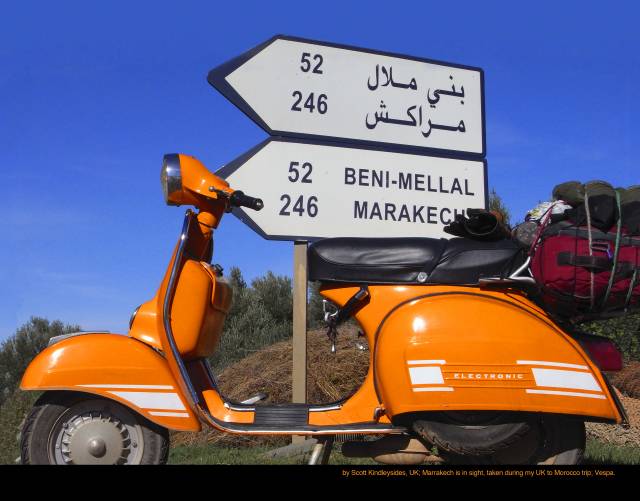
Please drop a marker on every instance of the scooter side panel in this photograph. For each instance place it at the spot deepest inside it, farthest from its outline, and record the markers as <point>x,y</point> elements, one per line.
<point>116,367</point>
<point>471,350</point>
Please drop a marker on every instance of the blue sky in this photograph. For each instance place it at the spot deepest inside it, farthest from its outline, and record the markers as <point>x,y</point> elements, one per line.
<point>92,94</point>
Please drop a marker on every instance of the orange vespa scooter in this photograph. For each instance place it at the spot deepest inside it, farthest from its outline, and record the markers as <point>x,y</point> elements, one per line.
<point>460,356</point>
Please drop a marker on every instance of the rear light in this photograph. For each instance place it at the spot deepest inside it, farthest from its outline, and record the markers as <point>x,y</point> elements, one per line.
<point>603,352</point>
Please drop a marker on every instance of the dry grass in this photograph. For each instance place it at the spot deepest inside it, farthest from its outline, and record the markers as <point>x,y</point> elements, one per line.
<point>330,377</point>
<point>628,379</point>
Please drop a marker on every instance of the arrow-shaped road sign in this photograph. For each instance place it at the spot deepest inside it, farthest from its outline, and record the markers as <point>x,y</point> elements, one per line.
<point>319,190</point>
<point>316,90</point>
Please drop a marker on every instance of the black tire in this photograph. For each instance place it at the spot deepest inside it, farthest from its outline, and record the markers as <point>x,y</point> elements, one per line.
<point>467,433</point>
<point>552,440</point>
<point>52,411</point>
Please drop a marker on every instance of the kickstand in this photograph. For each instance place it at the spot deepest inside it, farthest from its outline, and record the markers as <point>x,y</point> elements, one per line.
<point>321,451</point>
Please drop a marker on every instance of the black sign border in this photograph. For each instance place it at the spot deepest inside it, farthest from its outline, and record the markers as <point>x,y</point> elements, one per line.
<point>245,217</point>
<point>217,76</point>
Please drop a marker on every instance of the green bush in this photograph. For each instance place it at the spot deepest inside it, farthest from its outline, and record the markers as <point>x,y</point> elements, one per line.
<point>496,204</point>
<point>17,351</point>
<point>15,354</point>
<point>260,315</point>
<point>315,312</point>
<point>624,331</point>
<point>12,414</point>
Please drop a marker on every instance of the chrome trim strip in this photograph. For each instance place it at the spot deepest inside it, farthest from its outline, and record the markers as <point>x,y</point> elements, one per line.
<point>255,399</point>
<point>168,298</point>
<point>251,408</point>
<point>323,408</point>
<point>62,337</point>
<point>129,386</point>
<point>232,407</point>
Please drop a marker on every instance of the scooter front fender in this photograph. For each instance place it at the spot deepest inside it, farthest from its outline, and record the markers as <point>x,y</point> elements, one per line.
<point>478,350</point>
<point>116,367</point>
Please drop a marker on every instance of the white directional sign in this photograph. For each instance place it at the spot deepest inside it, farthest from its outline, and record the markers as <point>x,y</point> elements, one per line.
<point>319,190</point>
<point>315,90</point>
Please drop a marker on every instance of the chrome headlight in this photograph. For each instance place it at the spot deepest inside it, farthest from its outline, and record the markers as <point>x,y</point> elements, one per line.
<point>171,179</point>
<point>133,316</point>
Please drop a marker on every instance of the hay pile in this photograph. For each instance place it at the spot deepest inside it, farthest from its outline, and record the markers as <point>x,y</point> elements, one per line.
<point>628,379</point>
<point>330,377</point>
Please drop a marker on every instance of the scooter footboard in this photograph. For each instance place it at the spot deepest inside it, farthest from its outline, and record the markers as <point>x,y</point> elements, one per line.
<point>116,367</point>
<point>484,351</point>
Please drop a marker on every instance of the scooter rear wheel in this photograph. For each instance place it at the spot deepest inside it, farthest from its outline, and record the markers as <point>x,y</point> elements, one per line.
<point>552,439</point>
<point>472,433</point>
<point>79,428</point>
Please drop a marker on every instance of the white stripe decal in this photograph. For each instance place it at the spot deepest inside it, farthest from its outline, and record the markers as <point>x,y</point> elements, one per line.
<point>152,400</point>
<point>169,414</point>
<point>426,375</point>
<point>435,388</point>
<point>567,393</point>
<point>132,386</point>
<point>565,379</point>
<point>426,362</point>
<point>551,364</point>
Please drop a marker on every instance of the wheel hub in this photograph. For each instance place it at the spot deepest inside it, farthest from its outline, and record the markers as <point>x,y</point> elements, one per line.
<point>104,436</point>
<point>97,447</point>
<point>94,439</point>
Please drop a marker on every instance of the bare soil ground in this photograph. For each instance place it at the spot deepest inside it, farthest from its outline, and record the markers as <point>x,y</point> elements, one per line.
<point>619,434</point>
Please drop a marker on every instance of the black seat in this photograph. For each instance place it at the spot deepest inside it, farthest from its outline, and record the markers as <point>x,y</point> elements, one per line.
<point>411,260</point>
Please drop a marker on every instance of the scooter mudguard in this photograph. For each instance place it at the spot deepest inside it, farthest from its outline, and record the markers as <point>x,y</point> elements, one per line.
<point>116,367</point>
<point>469,349</point>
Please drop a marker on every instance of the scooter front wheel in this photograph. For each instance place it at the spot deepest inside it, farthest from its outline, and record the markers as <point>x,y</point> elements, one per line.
<point>79,428</point>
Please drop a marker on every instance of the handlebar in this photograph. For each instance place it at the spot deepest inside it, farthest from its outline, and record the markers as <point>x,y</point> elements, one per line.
<point>239,199</point>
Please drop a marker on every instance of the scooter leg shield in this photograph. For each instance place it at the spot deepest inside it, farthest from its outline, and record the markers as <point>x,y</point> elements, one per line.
<point>116,367</point>
<point>481,351</point>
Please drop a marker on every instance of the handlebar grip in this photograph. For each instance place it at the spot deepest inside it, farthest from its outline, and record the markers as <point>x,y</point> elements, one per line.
<point>239,199</point>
